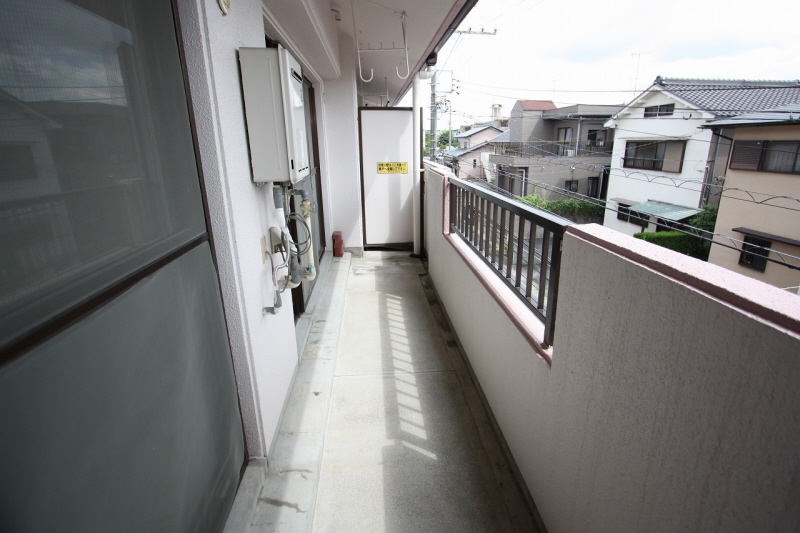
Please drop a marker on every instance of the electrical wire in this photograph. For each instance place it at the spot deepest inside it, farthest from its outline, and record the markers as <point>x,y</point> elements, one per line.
<point>650,178</point>
<point>674,225</point>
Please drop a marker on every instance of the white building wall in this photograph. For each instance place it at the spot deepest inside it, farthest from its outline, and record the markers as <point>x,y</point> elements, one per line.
<point>340,112</point>
<point>643,185</point>
<point>653,416</point>
<point>264,345</point>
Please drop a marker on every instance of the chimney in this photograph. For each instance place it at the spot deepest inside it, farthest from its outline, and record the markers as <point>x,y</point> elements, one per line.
<point>496,111</point>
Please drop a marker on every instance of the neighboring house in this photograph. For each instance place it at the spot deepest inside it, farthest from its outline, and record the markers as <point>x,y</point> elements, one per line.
<point>563,148</point>
<point>466,159</point>
<point>765,163</point>
<point>662,151</point>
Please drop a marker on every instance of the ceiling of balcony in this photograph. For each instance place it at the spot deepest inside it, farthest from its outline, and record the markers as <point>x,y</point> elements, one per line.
<point>377,26</point>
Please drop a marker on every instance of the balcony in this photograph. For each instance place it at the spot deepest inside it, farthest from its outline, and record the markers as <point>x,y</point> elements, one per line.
<point>504,153</point>
<point>426,398</point>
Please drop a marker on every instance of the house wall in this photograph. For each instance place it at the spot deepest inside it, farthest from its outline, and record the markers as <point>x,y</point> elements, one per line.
<point>653,415</point>
<point>528,125</point>
<point>465,163</point>
<point>477,138</point>
<point>636,186</point>
<point>548,173</point>
<point>263,345</point>
<point>737,210</point>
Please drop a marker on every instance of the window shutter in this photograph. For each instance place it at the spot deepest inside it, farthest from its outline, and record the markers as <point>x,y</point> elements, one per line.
<point>746,155</point>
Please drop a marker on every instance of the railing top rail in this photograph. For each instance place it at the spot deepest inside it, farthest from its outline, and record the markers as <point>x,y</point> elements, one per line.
<point>544,219</point>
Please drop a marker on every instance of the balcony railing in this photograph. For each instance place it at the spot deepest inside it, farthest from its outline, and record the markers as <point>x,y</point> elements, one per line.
<point>521,244</point>
<point>557,148</point>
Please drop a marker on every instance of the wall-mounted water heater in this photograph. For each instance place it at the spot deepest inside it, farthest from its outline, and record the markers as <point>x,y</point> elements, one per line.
<point>272,81</point>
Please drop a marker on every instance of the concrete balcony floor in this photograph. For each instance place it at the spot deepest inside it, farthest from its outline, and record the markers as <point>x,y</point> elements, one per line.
<point>384,429</point>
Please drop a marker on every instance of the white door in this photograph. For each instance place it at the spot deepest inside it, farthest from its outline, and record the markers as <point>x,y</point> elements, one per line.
<point>387,177</point>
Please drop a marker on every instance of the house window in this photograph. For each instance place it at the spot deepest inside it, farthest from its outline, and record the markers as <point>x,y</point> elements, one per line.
<point>474,163</point>
<point>594,183</point>
<point>766,156</point>
<point>640,219</point>
<point>663,110</point>
<point>623,213</point>
<point>649,155</point>
<point>571,185</point>
<point>781,156</point>
<point>754,253</point>
<point>596,137</point>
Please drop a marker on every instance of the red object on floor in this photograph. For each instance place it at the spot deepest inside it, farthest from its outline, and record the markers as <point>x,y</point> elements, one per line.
<point>338,244</point>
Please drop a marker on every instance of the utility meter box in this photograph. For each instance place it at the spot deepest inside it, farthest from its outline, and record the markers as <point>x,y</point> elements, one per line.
<point>272,81</point>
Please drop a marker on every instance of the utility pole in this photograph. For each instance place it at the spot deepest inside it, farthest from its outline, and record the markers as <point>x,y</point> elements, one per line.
<point>433,116</point>
<point>450,127</point>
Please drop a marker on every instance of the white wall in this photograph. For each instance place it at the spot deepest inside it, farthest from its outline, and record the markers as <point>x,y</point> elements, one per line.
<point>343,172</point>
<point>634,127</point>
<point>264,345</point>
<point>664,409</point>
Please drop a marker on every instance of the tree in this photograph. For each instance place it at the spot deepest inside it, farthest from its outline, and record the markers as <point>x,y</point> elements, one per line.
<point>444,139</point>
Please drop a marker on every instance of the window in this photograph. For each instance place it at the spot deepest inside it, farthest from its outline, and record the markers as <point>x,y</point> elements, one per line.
<point>663,110</point>
<point>596,137</point>
<point>766,156</point>
<point>593,186</point>
<point>640,219</point>
<point>623,213</point>
<point>474,163</point>
<point>781,156</point>
<point>754,253</point>
<point>571,185</point>
<point>649,155</point>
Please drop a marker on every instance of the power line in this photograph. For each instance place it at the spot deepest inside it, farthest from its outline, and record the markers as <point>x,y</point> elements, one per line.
<point>690,230</point>
<point>674,182</point>
<point>638,91</point>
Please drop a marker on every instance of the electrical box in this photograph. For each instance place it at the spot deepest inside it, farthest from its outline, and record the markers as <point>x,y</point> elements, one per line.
<point>272,82</point>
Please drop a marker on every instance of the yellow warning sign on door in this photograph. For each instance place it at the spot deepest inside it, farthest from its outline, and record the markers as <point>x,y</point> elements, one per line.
<point>392,168</point>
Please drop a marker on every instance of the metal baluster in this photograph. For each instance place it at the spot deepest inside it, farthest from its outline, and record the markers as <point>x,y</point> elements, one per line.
<point>453,204</point>
<point>502,239</point>
<point>495,212</point>
<point>487,228</point>
<point>552,291</point>
<point>531,259</point>
<point>543,270</point>
<point>471,217</point>
<point>479,221</point>
<point>520,242</point>
<point>510,245</point>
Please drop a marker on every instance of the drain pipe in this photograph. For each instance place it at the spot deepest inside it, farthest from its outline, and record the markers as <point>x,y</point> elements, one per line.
<point>416,158</point>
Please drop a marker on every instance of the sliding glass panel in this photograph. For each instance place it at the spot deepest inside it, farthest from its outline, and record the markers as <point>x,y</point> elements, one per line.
<point>128,420</point>
<point>98,172</point>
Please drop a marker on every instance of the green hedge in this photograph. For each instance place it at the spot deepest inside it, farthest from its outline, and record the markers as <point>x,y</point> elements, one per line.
<point>678,241</point>
<point>570,208</point>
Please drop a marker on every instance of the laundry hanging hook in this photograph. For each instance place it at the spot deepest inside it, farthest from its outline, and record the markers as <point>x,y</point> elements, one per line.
<point>358,48</point>
<point>405,46</point>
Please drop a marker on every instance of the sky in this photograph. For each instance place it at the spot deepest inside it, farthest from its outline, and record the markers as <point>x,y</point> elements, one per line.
<point>607,52</point>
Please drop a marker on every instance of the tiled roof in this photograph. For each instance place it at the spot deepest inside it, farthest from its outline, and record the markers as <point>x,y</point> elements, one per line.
<point>536,105</point>
<point>725,98</point>
<point>781,115</point>
<point>457,152</point>
<point>476,129</point>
